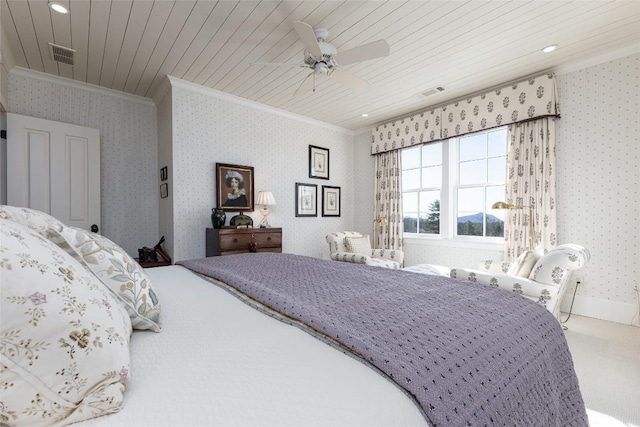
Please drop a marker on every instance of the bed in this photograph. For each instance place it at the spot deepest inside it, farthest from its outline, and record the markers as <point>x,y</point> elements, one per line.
<point>242,340</point>
<point>220,362</point>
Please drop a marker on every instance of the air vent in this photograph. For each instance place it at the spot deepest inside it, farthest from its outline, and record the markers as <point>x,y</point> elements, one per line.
<point>430,92</point>
<point>61,54</point>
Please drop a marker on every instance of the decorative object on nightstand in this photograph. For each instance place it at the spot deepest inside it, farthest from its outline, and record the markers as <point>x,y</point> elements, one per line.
<point>241,220</point>
<point>218,217</point>
<point>265,198</point>
<point>153,257</point>
<point>503,205</point>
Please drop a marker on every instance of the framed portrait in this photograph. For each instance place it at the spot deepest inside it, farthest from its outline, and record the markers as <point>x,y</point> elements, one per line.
<point>234,187</point>
<point>330,201</point>
<point>164,191</point>
<point>164,174</point>
<point>318,162</point>
<point>306,199</point>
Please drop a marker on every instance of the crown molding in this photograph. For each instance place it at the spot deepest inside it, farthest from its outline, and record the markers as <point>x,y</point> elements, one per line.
<point>19,71</point>
<point>194,87</point>
<point>570,67</point>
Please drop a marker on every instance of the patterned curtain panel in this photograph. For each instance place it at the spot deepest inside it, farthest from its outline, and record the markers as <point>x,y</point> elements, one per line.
<point>388,226</point>
<point>531,182</point>
<point>534,98</point>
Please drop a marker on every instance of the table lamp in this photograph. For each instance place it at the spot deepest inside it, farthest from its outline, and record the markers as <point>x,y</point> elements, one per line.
<point>265,198</point>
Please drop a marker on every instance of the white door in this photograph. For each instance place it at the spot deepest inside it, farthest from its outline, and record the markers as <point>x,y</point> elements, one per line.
<point>55,168</point>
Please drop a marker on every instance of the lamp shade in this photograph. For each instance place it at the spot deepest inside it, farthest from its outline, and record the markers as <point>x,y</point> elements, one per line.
<point>265,198</point>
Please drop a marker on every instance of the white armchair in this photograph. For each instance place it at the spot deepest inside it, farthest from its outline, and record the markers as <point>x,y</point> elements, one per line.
<point>351,246</point>
<point>544,282</point>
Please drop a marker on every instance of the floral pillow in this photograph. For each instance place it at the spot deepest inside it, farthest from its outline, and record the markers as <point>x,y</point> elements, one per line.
<point>358,245</point>
<point>64,337</point>
<point>30,218</point>
<point>116,269</point>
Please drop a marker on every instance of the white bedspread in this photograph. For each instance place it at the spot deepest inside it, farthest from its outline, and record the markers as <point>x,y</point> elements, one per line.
<point>218,362</point>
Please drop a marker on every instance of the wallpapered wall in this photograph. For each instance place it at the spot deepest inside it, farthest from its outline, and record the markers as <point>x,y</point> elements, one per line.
<point>597,190</point>
<point>128,148</point>
<point>598,181</point>
<point>598,185</point>
<point>210,128</point>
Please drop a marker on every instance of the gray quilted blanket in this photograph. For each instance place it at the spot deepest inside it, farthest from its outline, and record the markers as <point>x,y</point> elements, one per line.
<point>467,355</point>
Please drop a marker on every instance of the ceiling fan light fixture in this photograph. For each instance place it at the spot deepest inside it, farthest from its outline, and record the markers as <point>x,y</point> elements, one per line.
<point>321,69</point>
<point>550,48</point>
<point>58,7</point>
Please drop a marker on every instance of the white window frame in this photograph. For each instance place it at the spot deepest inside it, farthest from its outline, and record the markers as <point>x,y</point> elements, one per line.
<point>448,207</point>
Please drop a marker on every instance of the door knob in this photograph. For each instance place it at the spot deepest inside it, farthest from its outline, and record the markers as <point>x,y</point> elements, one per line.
<point>94,228</point>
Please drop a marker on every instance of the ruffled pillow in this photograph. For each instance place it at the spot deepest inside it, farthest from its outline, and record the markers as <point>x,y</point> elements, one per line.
<point>64,336</point>
<point>116,269</point>
<point>37,221</point>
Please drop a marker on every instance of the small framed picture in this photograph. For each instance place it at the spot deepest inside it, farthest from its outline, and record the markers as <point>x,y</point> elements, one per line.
<point>330,201</point>
<point>164,191</point>
<point>318,162</point>
<point>306,199</point>
<point>164,174</point>
<point>234,188</point>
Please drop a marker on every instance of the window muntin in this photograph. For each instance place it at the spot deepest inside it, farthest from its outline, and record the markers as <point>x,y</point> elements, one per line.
<point>477,168</point>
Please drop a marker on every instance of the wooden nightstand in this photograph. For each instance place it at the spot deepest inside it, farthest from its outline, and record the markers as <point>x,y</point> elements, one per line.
<point>228,241</point>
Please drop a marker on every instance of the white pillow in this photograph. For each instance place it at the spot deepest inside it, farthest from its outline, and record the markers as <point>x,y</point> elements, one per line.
<point>358,245</point>
<point>65,337</point>
<point>525,262</point>
<point>116,269</point>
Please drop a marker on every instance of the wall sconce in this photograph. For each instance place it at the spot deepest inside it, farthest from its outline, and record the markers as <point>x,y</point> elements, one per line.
<point>265,198</point>
<point>503,205</point>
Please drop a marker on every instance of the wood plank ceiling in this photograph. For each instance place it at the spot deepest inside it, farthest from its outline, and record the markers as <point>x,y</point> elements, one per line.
<point>463,46</point>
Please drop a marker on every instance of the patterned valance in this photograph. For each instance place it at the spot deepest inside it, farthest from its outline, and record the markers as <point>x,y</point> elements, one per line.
<point>526,100</point>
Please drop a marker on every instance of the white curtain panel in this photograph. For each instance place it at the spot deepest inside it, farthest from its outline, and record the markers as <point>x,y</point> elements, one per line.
<point>531,181</point>
<point>388,226</point>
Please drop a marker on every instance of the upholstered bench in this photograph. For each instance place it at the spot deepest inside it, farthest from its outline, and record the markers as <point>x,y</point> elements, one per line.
<point>435,270</point>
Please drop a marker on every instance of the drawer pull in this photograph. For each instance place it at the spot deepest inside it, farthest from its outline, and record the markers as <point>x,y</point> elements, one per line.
<point>235,240</point>
<point>269,238</point>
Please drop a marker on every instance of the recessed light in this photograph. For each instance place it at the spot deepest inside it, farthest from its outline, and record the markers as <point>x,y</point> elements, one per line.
<point>365,115</point>
<point>58,7</point>
<point>550,48</point>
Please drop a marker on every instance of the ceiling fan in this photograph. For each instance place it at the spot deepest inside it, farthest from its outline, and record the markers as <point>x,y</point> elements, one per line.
<point>325,60</point>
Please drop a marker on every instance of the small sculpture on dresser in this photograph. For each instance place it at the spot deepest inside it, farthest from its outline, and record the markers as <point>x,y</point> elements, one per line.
<point>218,217</point>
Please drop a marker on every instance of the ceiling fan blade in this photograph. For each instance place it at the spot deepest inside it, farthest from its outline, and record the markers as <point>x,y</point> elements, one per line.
<point>364,52</point>
<point>308,37</point>
<point>349,80</point>
<point>278,64</point>
<point>307,85</point>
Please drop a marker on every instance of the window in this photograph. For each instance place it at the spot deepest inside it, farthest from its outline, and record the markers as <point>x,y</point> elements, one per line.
<point>449,186</point>
<point>422,188</point>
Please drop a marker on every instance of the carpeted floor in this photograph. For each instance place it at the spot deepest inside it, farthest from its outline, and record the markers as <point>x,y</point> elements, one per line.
<point>606,356</point>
